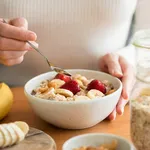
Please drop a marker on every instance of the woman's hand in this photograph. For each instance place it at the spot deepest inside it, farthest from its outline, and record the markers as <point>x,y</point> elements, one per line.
<point>118,66</point>
<point>13,37</point>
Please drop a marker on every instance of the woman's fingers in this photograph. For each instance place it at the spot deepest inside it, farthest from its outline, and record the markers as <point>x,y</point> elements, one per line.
<point>103,66</point>
<point>5,55</point>
<point>112,116</point>
<point>19,22</point>
<point>112,63</point>
<point>13,45</point>
<point>13,37</point>
<point>128,79</point>
<point>12,32</point>
<point>119,109</point>
<point>11,62</point>
<point>119,67</point>
<point>120,106</point>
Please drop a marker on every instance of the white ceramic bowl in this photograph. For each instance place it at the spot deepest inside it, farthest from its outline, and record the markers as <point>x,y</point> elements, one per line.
<point>96,139</point>
<point>74,114</point>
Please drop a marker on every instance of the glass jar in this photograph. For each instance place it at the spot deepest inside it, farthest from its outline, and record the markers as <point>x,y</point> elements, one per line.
<point>140,98</point>
<point>141,41</point>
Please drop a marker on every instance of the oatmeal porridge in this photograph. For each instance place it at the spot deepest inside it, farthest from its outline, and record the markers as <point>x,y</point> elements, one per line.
<point>76,87</point>
<point>140,122</point>
<point>108,146</point>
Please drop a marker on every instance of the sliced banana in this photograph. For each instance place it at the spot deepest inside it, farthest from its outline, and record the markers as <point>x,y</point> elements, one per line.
<point>80,83</point>
<point>23,126</point>
<point>64,92</point>
<point>1,138</point>
<point>94,93</point>
<point>49,91</point>
<point>84,80</point>
<point>12,133</point>
<point>77,98</point>
<point>56,83</point>
<point>20,134</point>
<point>7,137</point>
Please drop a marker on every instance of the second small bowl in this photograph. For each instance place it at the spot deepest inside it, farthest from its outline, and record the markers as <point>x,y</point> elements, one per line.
<point>97,139</point>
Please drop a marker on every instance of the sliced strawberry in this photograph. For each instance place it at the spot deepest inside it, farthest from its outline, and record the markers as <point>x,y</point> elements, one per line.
<point>72,86</point>
<point>98,85</point>
<point>62,77</point>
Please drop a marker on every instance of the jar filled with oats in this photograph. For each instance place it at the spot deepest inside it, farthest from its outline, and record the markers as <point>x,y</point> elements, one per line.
<point>140,98</point>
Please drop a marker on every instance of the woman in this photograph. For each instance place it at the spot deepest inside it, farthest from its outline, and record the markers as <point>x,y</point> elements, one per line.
<point>87,34</point>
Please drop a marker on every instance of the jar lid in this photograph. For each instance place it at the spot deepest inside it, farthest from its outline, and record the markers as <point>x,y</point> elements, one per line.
<point>142,39</point>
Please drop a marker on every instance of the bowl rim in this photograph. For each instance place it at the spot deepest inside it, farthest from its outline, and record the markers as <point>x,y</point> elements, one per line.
<point>97,134</point>
<point>72,102</point>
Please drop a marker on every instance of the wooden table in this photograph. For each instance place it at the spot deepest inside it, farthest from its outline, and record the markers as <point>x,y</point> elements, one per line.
<point>22,111</point>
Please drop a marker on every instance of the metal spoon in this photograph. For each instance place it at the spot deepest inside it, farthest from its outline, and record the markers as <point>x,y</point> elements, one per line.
<point>52,67</point>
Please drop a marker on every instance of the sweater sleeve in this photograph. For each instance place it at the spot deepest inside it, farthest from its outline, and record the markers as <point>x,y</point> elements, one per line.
<point>142,21</point>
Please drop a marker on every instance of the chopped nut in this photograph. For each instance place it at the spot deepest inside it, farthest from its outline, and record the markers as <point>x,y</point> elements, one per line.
<point>56,83</point>
<point>108,85</point>
<point>59,97</point>
<point>43,89</point>
<point>33,92</point>
<point>82,93</point>
<point>77,98</point>
<point>110,92</point>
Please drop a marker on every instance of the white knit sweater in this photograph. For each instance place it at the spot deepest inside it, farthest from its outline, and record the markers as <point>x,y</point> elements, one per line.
<point>72,33</point>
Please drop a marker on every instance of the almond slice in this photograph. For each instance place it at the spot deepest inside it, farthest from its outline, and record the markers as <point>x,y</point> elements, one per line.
<point>6,134</point>
<point>64,92</point>
<point>20,134</point>
<point>23,126</point>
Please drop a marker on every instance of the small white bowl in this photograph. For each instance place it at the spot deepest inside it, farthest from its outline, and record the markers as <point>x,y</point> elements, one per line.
<point>74,114</point>
<point>96,139</point>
